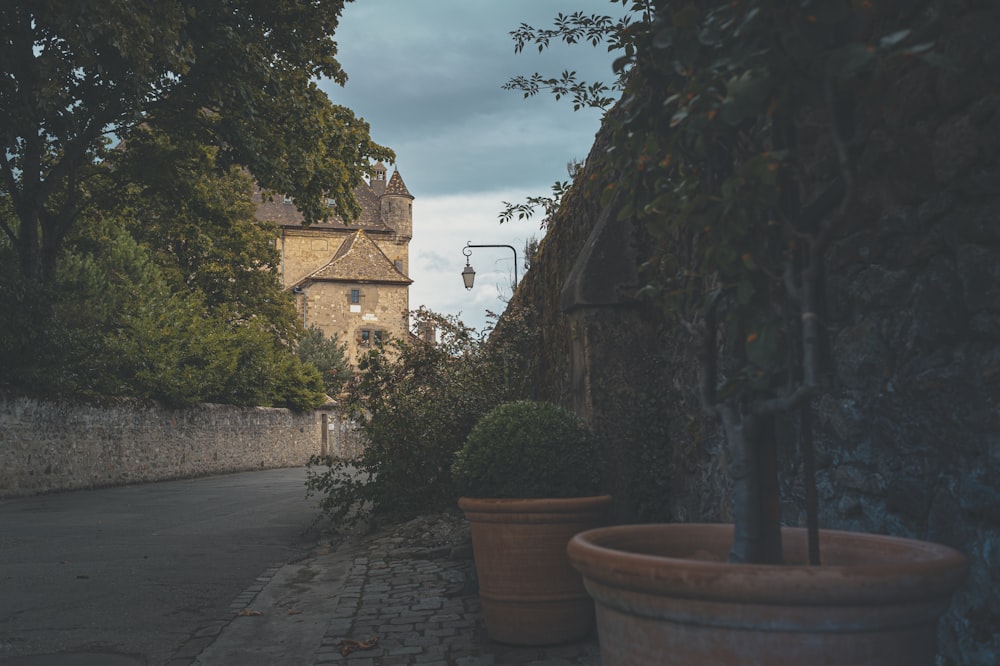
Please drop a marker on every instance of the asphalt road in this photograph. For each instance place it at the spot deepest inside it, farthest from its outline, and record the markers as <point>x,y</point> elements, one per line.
<point>129,573</point>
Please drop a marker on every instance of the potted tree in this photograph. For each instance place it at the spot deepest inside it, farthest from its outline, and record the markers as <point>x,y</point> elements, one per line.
<point>529,475</point>
<point>743,133</point>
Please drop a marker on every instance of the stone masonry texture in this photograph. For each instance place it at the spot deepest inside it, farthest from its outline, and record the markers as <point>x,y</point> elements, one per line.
<point>55,445</point>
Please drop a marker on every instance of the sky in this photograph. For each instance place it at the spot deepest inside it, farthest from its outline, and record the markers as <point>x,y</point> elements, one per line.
<point>427,76</point>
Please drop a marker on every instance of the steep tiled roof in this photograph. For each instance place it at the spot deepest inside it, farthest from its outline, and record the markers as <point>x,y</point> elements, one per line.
<point>397,186</point>
<point>286,215</point>
<point>359,259</point>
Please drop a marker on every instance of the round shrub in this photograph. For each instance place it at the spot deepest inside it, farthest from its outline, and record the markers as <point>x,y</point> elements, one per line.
<point>528,449</point>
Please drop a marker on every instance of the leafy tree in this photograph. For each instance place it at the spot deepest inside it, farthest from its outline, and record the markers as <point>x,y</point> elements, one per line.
<point>328,355</point>
<point>112,324</point>
<point>196,219</point>
<point>238,75</point>
<point>738,145</point>
<point>739,133</point>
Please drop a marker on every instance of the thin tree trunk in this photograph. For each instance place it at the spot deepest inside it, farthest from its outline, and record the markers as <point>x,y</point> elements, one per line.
<point>756,500</point>
<point>809,471</point>
<point>743,470</point>
<point>769,502</point>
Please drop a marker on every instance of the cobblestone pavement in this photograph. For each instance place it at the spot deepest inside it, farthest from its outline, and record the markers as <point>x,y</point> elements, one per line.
<point>411,598</point>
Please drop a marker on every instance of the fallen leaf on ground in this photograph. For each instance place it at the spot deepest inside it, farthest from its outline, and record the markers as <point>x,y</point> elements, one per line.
<point>349,645</point>
<point>294,612</point>
<point>246,612</point>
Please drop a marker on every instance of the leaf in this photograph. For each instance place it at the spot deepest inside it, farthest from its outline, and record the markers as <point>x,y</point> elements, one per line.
<point>892,39</point>
<point>349,645</point>
<point>246,612</point>
<point>918,49</point>
<point>745,94</point>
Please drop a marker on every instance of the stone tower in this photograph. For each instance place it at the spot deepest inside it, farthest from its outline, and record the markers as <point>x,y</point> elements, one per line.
<point>397,214</point>
<point>350,279</point>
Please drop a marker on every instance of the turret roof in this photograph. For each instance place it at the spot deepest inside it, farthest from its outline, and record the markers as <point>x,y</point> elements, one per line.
<point>397,186</point>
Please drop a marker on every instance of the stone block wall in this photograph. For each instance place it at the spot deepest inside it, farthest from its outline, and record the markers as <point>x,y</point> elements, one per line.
<point>382,311</point>
<point>305,250</point>
<point>47,446</point>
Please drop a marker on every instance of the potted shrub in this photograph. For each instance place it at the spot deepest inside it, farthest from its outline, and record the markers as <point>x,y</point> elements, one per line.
<point>743,132</point>
<point>529,475</point>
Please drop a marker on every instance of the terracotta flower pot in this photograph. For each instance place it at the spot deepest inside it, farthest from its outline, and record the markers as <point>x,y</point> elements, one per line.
<point>529,592</point>
<point>666,595</point>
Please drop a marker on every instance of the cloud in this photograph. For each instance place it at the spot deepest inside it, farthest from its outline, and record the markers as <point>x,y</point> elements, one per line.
<point>427,77</point>
<point>442,227</point>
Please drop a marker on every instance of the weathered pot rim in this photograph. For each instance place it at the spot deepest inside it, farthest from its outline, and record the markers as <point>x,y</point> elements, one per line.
<point>864,568</point>
<point>533,505</point>
<point>594,509</point>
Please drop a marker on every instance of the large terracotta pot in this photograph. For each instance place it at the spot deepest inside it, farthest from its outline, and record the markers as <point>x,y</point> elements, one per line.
<point>529,592</point>
<point>666,595</point>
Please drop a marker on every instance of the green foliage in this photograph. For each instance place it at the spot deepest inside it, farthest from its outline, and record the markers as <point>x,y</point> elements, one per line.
<point>295,384</point>
<point>738,201</point>
<point>737,146</point>
<point>142,271</point>
<point>329,356</point>
<point>239,76</point>
<point>111,324</point>
<point>528,449</point>
<point>31,348</point>
<point>741,124</point>
<point>549,205</point>
<point>196,219</point>
<point>592,29</point>
<point>416,402</point>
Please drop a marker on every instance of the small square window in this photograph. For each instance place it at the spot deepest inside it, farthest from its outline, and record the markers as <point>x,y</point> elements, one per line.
<point>378,337</point>
<point>331,203</point>
<point>366,337</point>
<point>355,295</point>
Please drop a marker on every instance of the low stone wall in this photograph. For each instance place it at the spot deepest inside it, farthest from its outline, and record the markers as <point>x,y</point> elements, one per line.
<point>47,446</point>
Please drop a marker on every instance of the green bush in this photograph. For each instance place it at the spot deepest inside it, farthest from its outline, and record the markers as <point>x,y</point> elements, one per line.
<point>416,401</point>
<point>528,449</point>
<point>328,355</point>
<point>111,324</point>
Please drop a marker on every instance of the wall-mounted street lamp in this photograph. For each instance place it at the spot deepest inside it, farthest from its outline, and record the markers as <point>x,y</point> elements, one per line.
<point>469,273</point>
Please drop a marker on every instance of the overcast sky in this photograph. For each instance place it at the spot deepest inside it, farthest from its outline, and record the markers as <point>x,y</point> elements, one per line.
<point>427,76</point>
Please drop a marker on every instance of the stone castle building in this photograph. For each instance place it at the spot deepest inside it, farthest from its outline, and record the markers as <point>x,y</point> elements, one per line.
<point>352,279</point>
